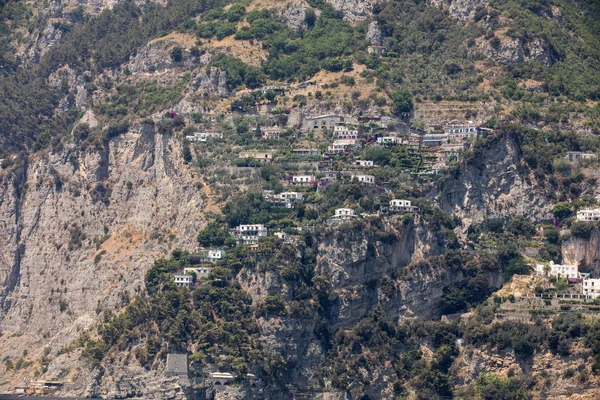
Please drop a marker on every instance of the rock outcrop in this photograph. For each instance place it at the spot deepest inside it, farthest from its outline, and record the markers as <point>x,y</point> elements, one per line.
<point>210,81</point>
<point>354,10</point>
<point>463,10</point>
<point>156,56</point>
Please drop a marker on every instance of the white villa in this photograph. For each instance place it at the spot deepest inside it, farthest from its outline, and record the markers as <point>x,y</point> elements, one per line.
<point>559,270</point>
<point>368,180</point>
<point>465,130</point>
<point>284,199</point>
<point>341,215</point>
<point>588,215</point>
<point>403,206</point>
<point>183,280</point>
<point>340,131</point>
<point>303,180</point>
<point>249,234</point>
<point>295,196</point>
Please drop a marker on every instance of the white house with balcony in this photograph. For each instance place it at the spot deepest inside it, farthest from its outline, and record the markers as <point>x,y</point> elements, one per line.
<point>215,255</point>
<point>183,280</point>
<point>588,215</point>
<point>303,180</point>
<point>558,270</point>
<point>341,131</point>
<point>403,206</point>
<point>342,215</point>
<point>249,234</point>
<point>461,130</point>
<point>367,180</point>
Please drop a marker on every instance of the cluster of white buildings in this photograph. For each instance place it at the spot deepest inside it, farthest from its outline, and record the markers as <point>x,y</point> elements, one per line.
<point>589,286</point>
<point>186,279</point>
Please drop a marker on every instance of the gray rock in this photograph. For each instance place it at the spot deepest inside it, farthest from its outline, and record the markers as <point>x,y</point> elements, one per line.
<point>294,14</point>
<point>463,10</point>
<point>374,34</point>
<point>211,81</point>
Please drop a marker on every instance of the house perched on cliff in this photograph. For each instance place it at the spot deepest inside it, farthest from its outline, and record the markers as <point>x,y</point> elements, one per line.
<point>303,180</point>
<point>342,215</point>
<point>558,270</point>
<point>183,280</point>
<point>588,215</point>
<point>403,206</point>
<point>461,130</point>
<point>249,234</point>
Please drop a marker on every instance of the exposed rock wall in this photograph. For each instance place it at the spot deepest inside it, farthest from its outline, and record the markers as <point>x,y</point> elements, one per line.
<point>492,185</point>
<point>81,229</point>
<point>583,251</point>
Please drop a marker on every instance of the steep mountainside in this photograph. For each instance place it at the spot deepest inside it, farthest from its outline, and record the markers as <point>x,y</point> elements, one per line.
<point>279,191</point>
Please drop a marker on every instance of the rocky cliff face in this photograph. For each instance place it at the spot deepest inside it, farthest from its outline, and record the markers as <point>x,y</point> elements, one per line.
<point>353,261</point>
<point>584,252</point>
<point>494,184</point>
<point>463,10</point>
<point>81,228</point>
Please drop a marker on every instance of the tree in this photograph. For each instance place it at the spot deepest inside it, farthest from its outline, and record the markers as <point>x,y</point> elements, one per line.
<point>562,210</point>
<point>402,102</point>
<point>213,235</point>
<point>177,54</point>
